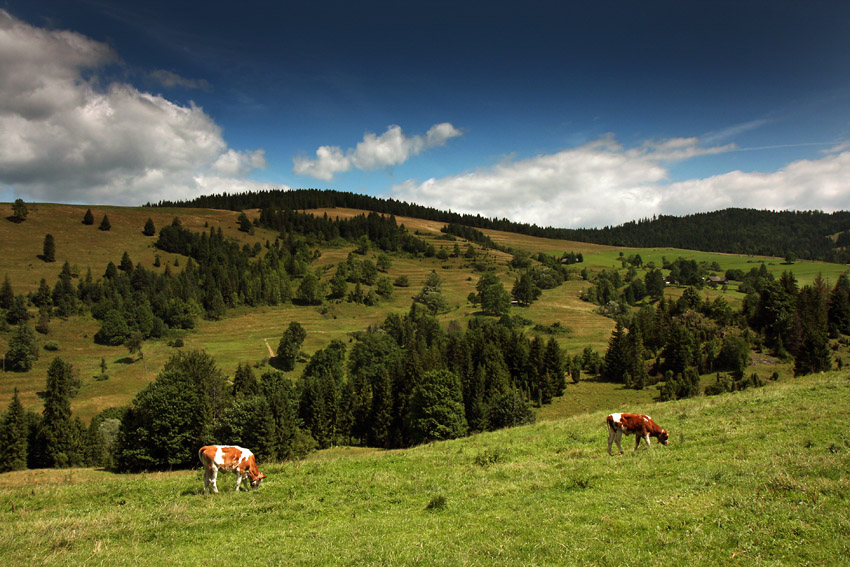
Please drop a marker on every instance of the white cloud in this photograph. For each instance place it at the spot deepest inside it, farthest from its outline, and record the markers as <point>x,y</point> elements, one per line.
<point>602,183</point>
<point>67,139</point>
<point>391,148</point>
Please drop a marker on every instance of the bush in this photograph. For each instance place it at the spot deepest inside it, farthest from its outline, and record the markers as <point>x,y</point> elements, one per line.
<point>51,346</point>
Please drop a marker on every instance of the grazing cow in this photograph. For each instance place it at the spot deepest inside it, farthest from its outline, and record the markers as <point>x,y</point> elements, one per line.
<point>641,426</point>
<point>229,459</point>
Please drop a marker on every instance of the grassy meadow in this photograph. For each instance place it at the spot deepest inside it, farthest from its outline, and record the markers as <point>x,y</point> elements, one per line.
<point>758,477</point>
<point>245,335</point>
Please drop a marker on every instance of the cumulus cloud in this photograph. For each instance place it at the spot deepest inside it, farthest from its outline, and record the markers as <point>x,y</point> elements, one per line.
<point>68,138</point>
<point>391,148</point>
<point>602,183</point>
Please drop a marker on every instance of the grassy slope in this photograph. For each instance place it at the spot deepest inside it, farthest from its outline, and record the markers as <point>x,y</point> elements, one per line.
<point>242,335</point>
<point>753,478</point>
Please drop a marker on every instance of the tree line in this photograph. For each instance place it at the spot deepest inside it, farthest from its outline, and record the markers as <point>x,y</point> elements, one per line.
<point>813,235</point>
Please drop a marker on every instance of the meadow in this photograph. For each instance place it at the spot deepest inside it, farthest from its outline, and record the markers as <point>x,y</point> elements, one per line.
<point>758,477</point>
<point>246,335</point>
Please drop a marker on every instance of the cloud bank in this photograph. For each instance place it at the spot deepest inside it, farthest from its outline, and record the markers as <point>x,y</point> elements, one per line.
<point>68,138</point>
<point>374,152</point>
<point>602,183</point>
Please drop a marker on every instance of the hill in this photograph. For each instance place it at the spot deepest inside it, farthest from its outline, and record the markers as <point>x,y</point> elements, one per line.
<point>247,334</point>
<point>752,478</point>
<point>812,235</point>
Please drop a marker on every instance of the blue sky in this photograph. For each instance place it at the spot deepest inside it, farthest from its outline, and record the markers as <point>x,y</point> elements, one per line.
<point>557,113</point>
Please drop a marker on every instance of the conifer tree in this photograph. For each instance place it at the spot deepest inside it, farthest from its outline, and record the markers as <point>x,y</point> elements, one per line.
<point>436,408</point>
<point>59,436</point>
<point>88,218</point>
<point>49,249</point>
<point>105,224</point>
<point>13,436</point>
<point>19,211</point>
<point>244,382</point>
<point>290,345</point>
<point>7,295</point>
<point>150,229</point>
<point>23,350</point>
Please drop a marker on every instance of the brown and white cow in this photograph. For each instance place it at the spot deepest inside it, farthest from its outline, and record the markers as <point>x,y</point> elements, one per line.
<point>639,425</point>
<point>229,458</point>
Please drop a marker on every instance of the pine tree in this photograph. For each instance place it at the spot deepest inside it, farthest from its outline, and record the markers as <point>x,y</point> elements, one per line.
<point>49,249</point>
<point>13,436</point>
<point>150,229</point>
<point>88,218</point>
<point>7,295</point>
<point>23,350</point>
<point>616,364</point>
<point>105,224</point>
<point>19,211</point>
<point>436,408</point>
<point>290,345</point>
<point>59,436</point>
<point>244,382</point>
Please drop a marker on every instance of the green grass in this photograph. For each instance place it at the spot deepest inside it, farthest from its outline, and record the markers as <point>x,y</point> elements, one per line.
<point>241,336</point>
<point>754,478</point>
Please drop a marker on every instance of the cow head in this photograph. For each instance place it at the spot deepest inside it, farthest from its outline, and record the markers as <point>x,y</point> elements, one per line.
<point>662,437</point>
<point>255,482</point>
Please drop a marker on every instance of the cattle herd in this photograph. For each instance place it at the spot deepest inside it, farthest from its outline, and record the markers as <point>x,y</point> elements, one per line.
<point>241,461</point>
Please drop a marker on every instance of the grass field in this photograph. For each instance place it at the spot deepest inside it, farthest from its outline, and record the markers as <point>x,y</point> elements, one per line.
<point>753,478</point>
<point>245,335</point>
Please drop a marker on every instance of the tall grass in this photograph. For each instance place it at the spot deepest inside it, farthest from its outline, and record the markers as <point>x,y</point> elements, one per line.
<point>756,478</point>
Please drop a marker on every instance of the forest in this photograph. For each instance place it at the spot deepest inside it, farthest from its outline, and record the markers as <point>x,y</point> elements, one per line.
<point>811,235</point>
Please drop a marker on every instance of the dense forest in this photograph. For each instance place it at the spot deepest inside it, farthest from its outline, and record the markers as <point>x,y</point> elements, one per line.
<point>812,235</point>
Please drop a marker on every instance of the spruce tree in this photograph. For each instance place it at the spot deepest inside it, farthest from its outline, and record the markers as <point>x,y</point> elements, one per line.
<point>23,350</point>
<point>88,218</point>
<point>13,436</point>
<point>59,435</point>
<point>19,211</point>
<point>105,224</point>
<point>244,382</point>
<point>49,249</point>
<point>7,295</point>
<point>150,229</point>
<point>290,345</point>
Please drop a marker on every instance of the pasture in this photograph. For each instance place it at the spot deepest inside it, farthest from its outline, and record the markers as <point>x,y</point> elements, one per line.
<point>753,478</point>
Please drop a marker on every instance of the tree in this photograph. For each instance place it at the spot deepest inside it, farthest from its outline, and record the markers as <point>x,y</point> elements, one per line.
<point>384,287</point>
<point>88,218</point>
<point>384,262</point>
<point>105,224</point>
<point>19,211</point>
<point>126,264</point>
<point>244,382</point>
<point>174,415</point>
<point>13,436</point>
<point>436,408</point>
<point>60,437</point>
<point>134,342</point>
<point>23,350</point>
<point>310,290</point>
<point>48,249</point>
<point>7,295</point>
<point>431,294</point>
<point>244,222</point>
<point>150,229</point>
<point>114,330</point>
<point>495,299</point>
<point>290,345</point>
<point>525,291</point>
<point>18,312</point>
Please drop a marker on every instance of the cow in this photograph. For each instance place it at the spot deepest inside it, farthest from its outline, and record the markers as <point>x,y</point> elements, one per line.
<point>639,425</point>
<point>229,458</point>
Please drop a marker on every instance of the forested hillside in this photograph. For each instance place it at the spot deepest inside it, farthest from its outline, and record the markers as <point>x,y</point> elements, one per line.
<point>813,235</point>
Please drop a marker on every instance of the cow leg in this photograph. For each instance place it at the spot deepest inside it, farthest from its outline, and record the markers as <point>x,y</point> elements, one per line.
<point>610,440</point>
<point>213,478</point>
<point>617,437</point>
<point>239,477</point>
<point>206,481</point>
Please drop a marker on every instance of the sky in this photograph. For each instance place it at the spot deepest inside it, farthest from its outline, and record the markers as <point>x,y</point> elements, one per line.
<point>565,114</point>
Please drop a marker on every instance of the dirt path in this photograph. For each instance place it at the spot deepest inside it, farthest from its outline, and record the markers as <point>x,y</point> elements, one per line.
<point>268,346</point>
